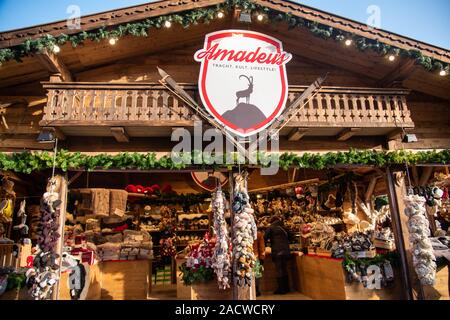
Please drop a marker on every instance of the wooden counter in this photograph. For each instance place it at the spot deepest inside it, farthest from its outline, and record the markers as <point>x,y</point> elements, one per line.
<point>269,279</point>
<point>95,289</point>
<point>115,280</point>
<point>324,279</point>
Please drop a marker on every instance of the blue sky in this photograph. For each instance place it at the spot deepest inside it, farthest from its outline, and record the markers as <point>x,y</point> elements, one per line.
<point>425,20</point>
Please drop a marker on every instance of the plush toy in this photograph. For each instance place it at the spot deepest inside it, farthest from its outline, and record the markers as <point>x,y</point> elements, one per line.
<point>148,190</point>
<point>131,188</point>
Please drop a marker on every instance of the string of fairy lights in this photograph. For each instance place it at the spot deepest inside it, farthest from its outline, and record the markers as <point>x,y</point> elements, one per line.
<point>204,15</point>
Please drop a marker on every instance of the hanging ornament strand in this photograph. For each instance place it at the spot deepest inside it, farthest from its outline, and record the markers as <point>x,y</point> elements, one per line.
<point>419,233</point>
<point>221,257</point>
<point>244,232</point>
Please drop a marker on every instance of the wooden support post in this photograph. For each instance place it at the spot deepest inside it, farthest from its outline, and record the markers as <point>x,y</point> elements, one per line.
<point>120,134</point>
<point>296,134</point>
<point>397,191</point>
<point>370,188</point>
<point>347,134</point>
<point>62,218</point>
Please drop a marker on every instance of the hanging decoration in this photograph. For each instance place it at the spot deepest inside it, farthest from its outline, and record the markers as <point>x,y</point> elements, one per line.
<point>27,162</point>
<point>43,276</point>
<point>244,232</point>
<point>206,14</point>
<point>221,257</point>
<point>419,233</point>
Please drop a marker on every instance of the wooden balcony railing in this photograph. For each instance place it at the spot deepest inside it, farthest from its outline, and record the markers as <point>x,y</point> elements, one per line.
<point>147,104</point>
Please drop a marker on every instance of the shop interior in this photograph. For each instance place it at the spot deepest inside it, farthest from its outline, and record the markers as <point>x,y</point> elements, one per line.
<point>123,229</point>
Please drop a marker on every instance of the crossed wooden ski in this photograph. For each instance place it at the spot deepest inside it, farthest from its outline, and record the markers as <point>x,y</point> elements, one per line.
<point>290,111</point>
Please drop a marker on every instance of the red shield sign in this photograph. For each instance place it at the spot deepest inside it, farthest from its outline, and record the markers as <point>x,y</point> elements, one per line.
<point>243,82</point>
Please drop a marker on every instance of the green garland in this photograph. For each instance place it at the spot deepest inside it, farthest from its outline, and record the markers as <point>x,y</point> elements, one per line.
<point>27,162</point>
<point>205,15</point>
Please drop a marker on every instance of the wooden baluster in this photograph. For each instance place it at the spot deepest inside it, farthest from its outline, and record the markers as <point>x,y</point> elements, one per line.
<point>133,107</point>
<point>320,109</point>
<point>49,106</point>
<point>397,114</point>
<point>337,109</point>
<point>380,109</point>
<point>102,109</point>
<point>110,105</point>
<point>364,109</point>
<point>154,106</point>
<point>69,105</point>
<point>355,110</point>
<point>389,111</point>
<point>329,111</point>
<point>144,108</point>
<point>405,110</point>
<point>372,113</point>
<point>165,106</point>
<point>347,112</point>
<point>122,115</point>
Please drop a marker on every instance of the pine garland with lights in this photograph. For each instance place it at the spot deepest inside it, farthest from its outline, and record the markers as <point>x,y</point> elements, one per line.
<point>205,15</point>
<point>28,162</point>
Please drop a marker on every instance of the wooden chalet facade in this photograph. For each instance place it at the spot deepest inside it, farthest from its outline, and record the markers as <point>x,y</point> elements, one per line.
<point>88,91</point>
<point>103,98</point>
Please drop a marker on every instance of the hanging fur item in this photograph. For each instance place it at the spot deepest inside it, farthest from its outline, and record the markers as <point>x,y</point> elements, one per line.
<point>419,233</point>
<point>221,257</point>
<point>244,232</point>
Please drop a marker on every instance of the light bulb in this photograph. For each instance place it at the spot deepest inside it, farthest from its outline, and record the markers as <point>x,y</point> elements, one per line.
<point>112,41</point>
<point>167,24</point>
<point>56,49</point>
<point>391,57</point>
<point>348,42</point>
<point>220,15</point>
<point>260,17</point>
<point>442,73</point>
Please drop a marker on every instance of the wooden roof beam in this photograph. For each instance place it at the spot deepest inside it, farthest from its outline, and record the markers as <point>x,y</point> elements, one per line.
<point>55,66</point>
<point>347,134</point>
<point>399,74</point>
<point>120,134</point>
<point>296,134</point>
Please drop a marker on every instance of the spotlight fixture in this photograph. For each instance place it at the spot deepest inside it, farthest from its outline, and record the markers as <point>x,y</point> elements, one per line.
<point>245,17</point>
<point>56,49</point>
<point>409,138</point>
<point>391,57</point>
<point>220,15</point>
<point>442,73</point>
<point>112,41</point>
<point>260,17</point>
<point>46,136</point>
<point>348,42</point>
<point>167,24</point>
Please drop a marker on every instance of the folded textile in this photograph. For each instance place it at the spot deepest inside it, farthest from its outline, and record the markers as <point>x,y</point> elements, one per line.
<point>117,200</point>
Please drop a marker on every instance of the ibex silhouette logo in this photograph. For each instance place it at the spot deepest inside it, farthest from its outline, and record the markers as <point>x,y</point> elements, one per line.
<point>247,92</point>
<point>231,57</point>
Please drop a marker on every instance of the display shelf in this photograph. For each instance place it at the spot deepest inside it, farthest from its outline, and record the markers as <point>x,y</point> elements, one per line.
<point>142,195</point>
<point>198,230</point>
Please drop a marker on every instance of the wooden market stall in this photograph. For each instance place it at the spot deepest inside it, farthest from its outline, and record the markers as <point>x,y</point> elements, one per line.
<point>104,106</point>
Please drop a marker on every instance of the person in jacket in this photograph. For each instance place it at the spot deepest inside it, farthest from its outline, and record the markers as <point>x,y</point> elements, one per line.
<point>259,249</point>
<point>279,242</point>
